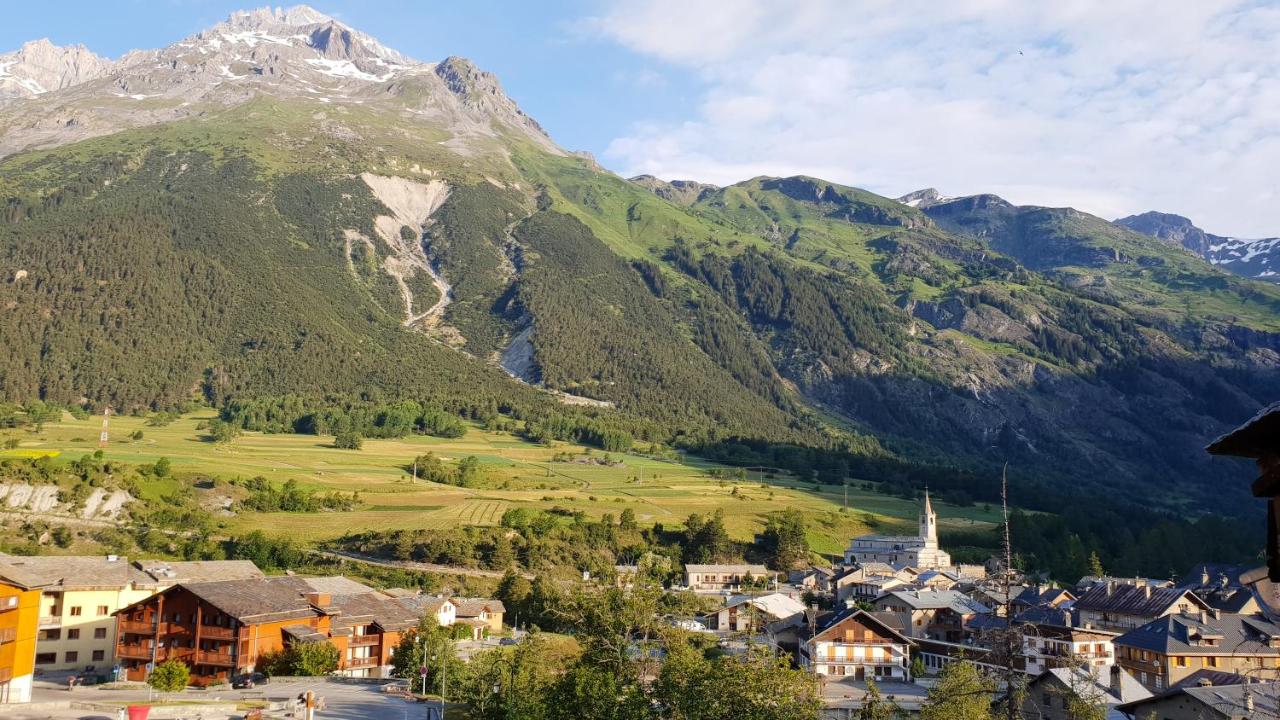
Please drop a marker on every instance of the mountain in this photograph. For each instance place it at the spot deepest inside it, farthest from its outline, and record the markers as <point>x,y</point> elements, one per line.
<point>281,216</point>
<point>1258,258</point>
<point>40,66</point>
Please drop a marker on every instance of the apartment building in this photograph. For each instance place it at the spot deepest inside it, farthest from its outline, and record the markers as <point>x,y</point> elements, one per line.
<point>221,629</point>
<point>1166,651</point>
<point>80,594</point>
<point>19,620</point>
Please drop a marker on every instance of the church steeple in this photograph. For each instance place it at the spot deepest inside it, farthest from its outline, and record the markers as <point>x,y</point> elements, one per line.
<point>928,523</point>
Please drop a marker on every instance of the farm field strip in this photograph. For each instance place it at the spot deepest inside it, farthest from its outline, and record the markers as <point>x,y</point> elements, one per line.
<point>518,474</point>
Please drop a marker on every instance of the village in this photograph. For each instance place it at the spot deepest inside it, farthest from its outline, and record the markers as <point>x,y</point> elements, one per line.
<point>879,627</point>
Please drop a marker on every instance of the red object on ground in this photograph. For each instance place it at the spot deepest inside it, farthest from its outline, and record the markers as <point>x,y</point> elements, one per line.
<point>139,712</point>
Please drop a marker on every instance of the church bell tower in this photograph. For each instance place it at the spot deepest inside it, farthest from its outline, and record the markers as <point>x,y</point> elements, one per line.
<point>929,524</point>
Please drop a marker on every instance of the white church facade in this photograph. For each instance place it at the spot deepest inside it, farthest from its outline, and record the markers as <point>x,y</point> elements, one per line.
<point>919,551</point>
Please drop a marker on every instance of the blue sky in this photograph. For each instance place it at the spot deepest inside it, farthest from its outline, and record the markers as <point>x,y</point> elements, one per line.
<point>1110,107</point>
<point>585,90</point>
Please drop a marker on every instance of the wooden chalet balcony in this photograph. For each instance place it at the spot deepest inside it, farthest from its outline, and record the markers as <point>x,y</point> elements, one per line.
<point>206,657</point>
<point>215,632</point>
<point>137,627</point>
<point>8,635</point>
<point>364,640</point>
<point>368,662</point>
<point>133,652</point>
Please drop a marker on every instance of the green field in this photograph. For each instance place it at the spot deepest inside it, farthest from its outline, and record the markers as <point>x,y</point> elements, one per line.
<point>518,474</point>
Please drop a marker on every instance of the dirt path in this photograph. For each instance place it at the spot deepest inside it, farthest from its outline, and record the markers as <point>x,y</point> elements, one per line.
<point>408,565</point>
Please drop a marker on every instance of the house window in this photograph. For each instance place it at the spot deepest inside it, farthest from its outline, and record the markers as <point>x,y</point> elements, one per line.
<point>76,610</point>
<point>1211,662</point>
<point>99,633</point>
<point>73,634</point>
<point>50,634</point>
<point>46,658</point>
<point>99,655</point>
<point>71,656</point>
<point>103,611</point>
<point>1180,661</point>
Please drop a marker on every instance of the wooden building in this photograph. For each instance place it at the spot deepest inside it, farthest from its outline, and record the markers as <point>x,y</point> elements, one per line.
<point>857,644</point>
<point>221,629</point>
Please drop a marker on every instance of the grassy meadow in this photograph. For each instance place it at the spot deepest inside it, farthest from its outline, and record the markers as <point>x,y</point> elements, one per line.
<point>518,473</point>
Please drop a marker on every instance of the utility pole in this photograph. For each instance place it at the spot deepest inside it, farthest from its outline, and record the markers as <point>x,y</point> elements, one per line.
<point>105,436</point>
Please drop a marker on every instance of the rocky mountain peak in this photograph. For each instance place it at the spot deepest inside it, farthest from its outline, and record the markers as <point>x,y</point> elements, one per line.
<point>1173,229</point>
<point>40,66</point>
<point>923,198</point>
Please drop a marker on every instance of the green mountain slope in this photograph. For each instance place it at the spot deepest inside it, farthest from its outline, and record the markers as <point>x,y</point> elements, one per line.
<point>408,233</point>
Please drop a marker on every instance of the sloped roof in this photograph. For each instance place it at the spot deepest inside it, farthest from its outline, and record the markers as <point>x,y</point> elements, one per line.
<point>731,569</point>
<point>1139,601</point>
<point>372,608</point>
<point>775,605</point>
<point>1257,437</point>
<point>471,607</point>
<point>422,604</point>
<point>336,585</point>
<point>1233,634</point>
<point>1229,700</point>
<point>70,572</point>
<point>1098,681</point>
<point>165,571</point>
<point>20,577</point>
<point>936,600</point>
<point>876,621</point>
<point>258,599</point>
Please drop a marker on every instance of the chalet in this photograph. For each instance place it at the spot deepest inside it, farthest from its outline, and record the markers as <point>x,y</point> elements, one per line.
<point>1165,651</point>
<point>1054,694</point>
<point>753,613</point>
<point>1046,647</point>
<point>483,616</point>
<point>858,644</point>
<point>938,654</point>
<point>718,578</point>
<point>438,607</point>
<point>934,614</point>
<point>1122,607</point>
<point>866,588</point>
<point>221,629</point>
<point>1210,702</point>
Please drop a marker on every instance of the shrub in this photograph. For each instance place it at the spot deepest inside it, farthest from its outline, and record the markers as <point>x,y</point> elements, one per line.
<point>170,676</point>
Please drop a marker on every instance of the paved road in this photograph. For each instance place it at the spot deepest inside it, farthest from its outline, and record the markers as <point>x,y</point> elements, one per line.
<point>343,701</point>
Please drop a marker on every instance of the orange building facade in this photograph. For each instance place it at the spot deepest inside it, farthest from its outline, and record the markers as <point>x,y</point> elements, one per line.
<point>221,630</point>
<point>19,625</point>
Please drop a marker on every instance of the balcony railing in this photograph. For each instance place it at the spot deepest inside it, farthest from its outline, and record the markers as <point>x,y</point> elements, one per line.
<point>362,662</point>
<point>50,621</point>
<point>205,657</point>
<point>8,635</point>
<point>363,640</point>
<point>215,632</point>
<point>8,602</point>
<point>135,652</point>
<point>137,627</point>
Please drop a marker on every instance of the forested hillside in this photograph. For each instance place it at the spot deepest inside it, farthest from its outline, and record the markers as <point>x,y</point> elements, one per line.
<point>272,254</point>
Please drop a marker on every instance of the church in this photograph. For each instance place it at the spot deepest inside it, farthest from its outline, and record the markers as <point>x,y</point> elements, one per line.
<point>920,551</point>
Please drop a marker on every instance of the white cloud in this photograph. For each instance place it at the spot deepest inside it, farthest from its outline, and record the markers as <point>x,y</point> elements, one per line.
<point>1114,107</point>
